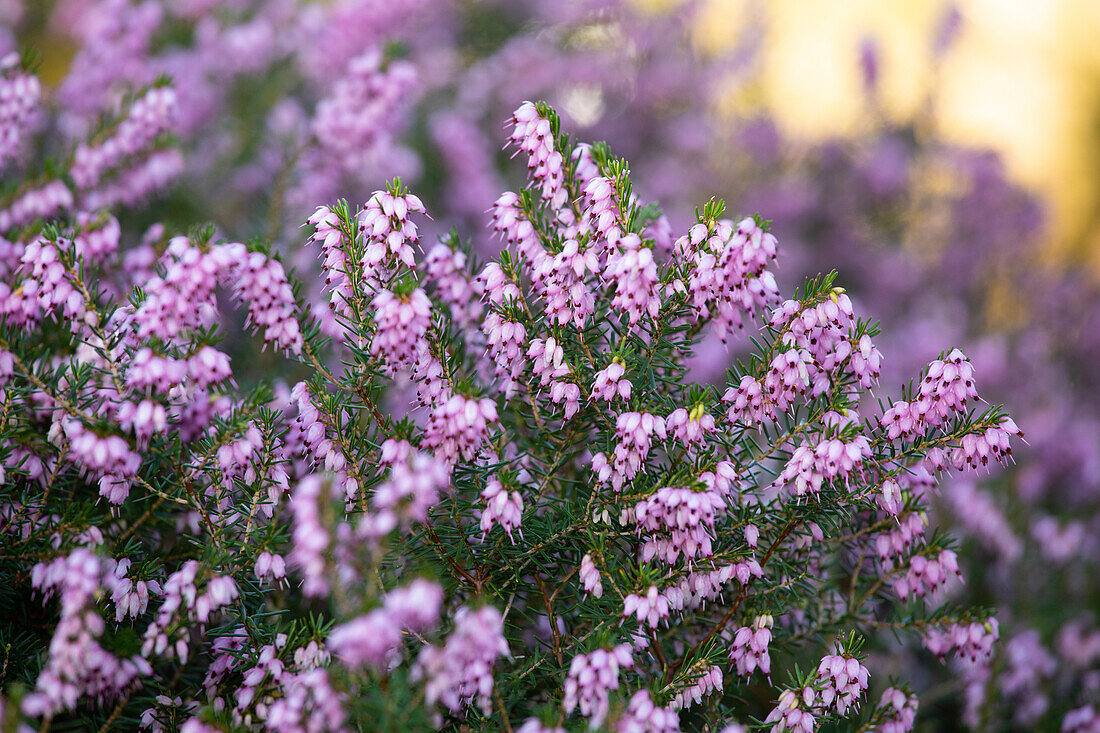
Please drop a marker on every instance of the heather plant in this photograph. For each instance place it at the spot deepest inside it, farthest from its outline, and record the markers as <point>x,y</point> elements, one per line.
<point>493,499</point>
<point>266,109</point>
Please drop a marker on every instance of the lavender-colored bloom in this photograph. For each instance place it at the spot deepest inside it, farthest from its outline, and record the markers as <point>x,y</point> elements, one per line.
<point>460,672</point>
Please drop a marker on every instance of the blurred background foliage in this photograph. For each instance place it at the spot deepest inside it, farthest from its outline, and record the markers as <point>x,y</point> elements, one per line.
<point>1022,78</point>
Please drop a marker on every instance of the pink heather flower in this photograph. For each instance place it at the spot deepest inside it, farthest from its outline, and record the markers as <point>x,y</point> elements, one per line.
<point>972,641</point>
<point>131,597</point>
<point>226,658</point>
<point>145,419</point>
<point>650,608</point>
<point>19,96</point>
<point>643,716</point>
<point>496,287</point>
<point>825,331</point>
<point>43,202</point>
<point>235,459</point>
<point>502,507</point>
<point>262,284</point>
<point>414,485</point>
<point>309,703</point>
<point>890,500</point>
<point>690,428</point>
<point>97,237</point>
<point>865,362</point>
<point>575,260</point>
<point>708,679</point>
<point>680,521</point>
<point>47,283</point>
<point>947,386</point>
<point>747,403</point>
<point>901,419</point>
<point>549,366</point>
<point>76,666</point>
<point>459,427</point>
<point>909,531</point>
<point>385,221</point>
<point>844,681</point>
<point>507,341</point>
<point>446,270</point>
<point>509,223</point>
<point>352,123</point>
<point>319,448</point>
<point>750,647</point>
<point>1084,719</point>
<point>221,590</point>
<point>402,325</point>
<point>415,606</point>
<point>600,207</point>
<point>699,587</point>
<point>184,602</point>
<point>975,450</point>
<point>270,567</point>
<point>147,118</point>
<point>268,663</point>
<point>374,639</point>
<point>183,298</point>
<point>460,672</point>
<point>898,710</point>
<point>730,280</point>
<point>925,576</point>
<point>433,386</point>
<point>328,234</point>
<point>567,297</point>
<point>635,431</point>
<point>810,467</point>
<point>788,376</point>
<point>794,712</point>
<point>206,367</point>
<point>108,459</point>
<point>609,383</point>
<point>506,338</point>
<point>531,135</point>
<point>590,576</point>
<point>752,535</point>
<point>591,677</point>
<point>634,274</point>
<point>547,360</point>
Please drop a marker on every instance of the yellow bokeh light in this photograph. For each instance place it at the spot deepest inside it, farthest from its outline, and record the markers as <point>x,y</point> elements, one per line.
<point>1023,78</point>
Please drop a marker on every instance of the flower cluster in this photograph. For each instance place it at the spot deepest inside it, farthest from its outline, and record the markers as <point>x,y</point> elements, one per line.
<point>19,96</point>
<point>972,640</point>
<point>591,677</point>
<point>749,651</point>
<point>844,680</point>
<point>460,672</point>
